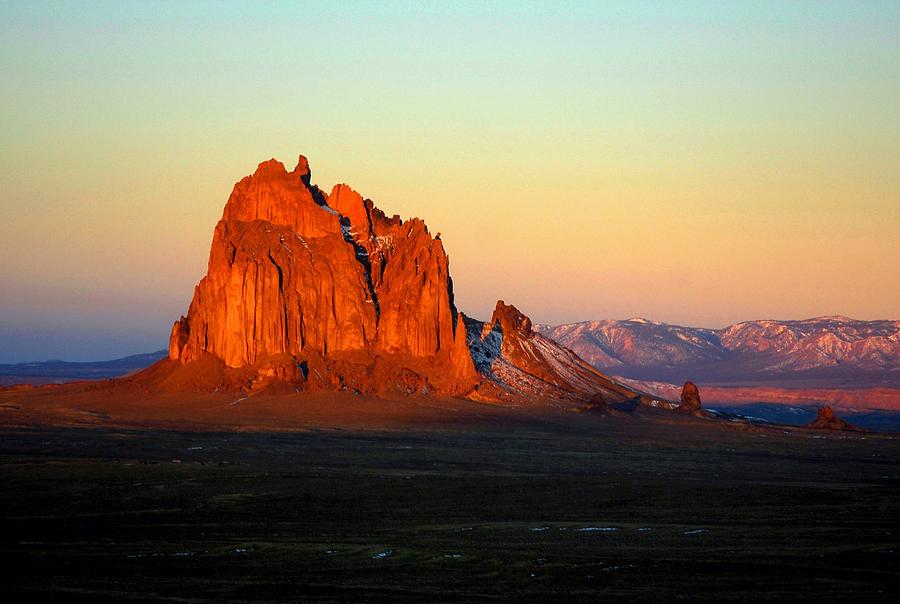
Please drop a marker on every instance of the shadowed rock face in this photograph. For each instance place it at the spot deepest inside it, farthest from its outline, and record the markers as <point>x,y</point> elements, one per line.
<point>827,420</point>
<point>294,272</point>
<point>690,398</point>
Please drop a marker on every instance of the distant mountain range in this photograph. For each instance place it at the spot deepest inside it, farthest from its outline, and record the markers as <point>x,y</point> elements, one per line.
<point>55,372</point>
<point>820,352</point>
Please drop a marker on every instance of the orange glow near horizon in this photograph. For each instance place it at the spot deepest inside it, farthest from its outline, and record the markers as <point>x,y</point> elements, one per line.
<point>699,168</point>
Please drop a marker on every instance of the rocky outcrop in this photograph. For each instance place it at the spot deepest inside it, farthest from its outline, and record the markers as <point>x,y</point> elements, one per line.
<point>517,363</point>
<point>517,341</point>
<point>308,279</point>
<point>690,398</point>
<point>827,420</point>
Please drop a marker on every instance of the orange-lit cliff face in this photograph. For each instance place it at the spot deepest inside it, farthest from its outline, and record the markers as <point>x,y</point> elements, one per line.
<point>293,271</point>
<point>325,291</point>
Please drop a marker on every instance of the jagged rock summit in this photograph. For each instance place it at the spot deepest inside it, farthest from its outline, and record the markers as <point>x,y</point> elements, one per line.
<point>311,288</point>
<point>318,291</point>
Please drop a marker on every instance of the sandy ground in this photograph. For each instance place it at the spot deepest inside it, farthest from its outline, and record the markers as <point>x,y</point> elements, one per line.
<point>106,404</point>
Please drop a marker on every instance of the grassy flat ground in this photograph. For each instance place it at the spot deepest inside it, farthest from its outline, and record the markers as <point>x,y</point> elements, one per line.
<point>560,507</point>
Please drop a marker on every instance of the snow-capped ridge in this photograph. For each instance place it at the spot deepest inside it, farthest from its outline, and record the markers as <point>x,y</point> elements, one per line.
<point>766,345</point>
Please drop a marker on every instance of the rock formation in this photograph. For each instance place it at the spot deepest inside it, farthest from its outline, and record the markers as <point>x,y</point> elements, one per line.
<point>517,362</point>
<point>827,420</point>
<point>325,291</point>
<point>517,340</point>
<point>690,398</point>
<point>323,280</point>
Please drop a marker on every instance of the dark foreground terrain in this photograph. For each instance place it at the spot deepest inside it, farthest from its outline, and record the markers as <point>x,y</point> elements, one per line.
<point>565,508</point>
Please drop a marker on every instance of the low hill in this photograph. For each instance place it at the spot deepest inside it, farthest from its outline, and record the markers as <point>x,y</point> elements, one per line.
<point>57,372</point>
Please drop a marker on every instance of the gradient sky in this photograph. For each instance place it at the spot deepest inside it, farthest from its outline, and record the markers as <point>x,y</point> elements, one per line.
<point>697,162</point>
